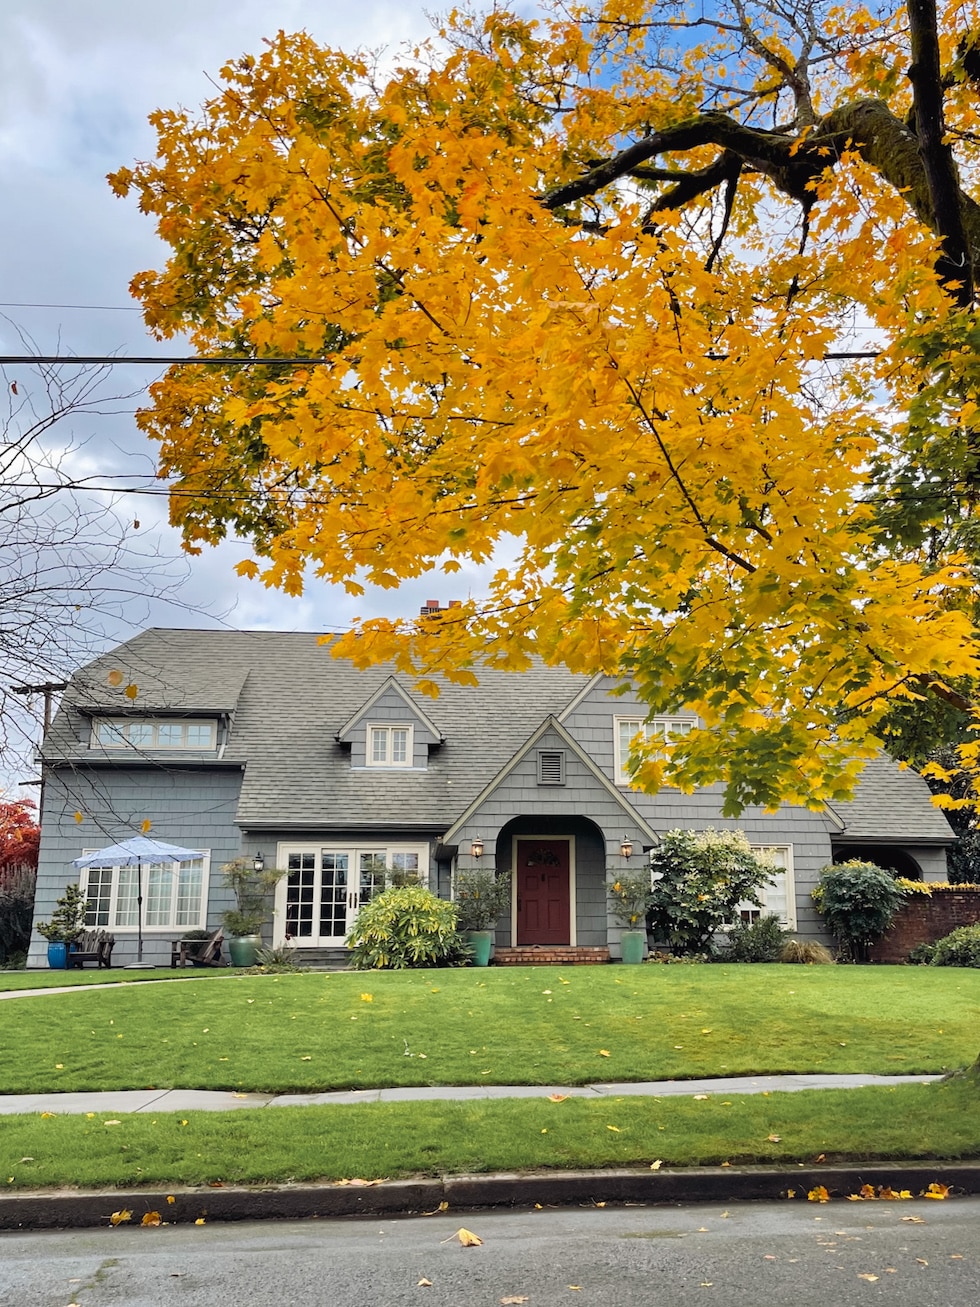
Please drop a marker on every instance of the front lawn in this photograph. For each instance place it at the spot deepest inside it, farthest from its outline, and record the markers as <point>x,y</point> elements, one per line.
<point>11,980</point>
<point>547,1026</point>
<point>372,1141</point>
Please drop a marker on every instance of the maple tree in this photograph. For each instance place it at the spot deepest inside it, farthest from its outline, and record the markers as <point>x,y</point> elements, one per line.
<point>19,834</point>
<point>587,288</point>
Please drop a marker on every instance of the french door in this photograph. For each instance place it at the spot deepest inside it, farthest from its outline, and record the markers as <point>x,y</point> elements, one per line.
<point>319,897</point>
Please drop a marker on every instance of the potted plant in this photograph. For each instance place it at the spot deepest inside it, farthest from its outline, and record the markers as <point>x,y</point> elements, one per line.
<point>481,896</point>
<point>66,924</point>
<point>629,897</point>
<point>252,883</point>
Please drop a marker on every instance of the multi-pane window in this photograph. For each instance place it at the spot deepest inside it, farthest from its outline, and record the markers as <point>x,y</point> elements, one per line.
<point>389,746</point>
<point>324,888</point>
<point>779,895</point>
<point>663,729</point>
<point>174,895</point>
<point>153,733</point>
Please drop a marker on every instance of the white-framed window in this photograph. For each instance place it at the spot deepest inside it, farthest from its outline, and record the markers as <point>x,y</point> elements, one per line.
<point>779,896</point>
<point>175,895</point>
<point>151,733</point>
<point>658,728</point>
<point>389,746</point>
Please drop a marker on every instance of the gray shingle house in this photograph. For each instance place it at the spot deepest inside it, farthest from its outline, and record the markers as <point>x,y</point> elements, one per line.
<point>238,742</point>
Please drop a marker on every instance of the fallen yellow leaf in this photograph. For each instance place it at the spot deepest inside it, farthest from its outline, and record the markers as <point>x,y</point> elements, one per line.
<point>200,1221</point>
<point>171,1198</point>
<point>818,1194</point>
<point>655,1166</point>
<point>614,1128</point>
<point>774,1139</point>
<point>467,1238</point>
<point>367,998</point>
<point>866,1275</point>
<point>117,1218</point>
<point>604,1052</point>
<point>424,1281</point>
<point>914,1220</point>
<point>113,1122</point>
<point>517,1298</point>
<point>557,1098</point>
<point>151,1218</point>
<point>701,1097</point>
<point>936,1190</point>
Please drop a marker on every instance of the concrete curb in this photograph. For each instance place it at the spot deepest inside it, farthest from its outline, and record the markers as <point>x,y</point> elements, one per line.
<point>69,1209</point>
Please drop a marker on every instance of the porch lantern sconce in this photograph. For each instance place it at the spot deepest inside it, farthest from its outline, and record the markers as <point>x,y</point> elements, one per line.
<point>626,847</point>
<point>258,862</point>
<point>476,848</point>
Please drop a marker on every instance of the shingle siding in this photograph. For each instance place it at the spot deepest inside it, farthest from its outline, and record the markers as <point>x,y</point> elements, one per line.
<point>281,700</point>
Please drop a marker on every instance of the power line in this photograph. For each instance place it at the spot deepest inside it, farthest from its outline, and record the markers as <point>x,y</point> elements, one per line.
<point>240,362</point>
<point>108,308</point>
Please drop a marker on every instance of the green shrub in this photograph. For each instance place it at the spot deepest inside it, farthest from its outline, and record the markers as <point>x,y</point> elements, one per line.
<point>280,958</point>
<point>406,926</point>
<point>629,898</point>
<point>481,897</point>
<point>761,940</point>
<point>960,948</point>
<point>700,878</point>
<point>858,901</point>
<point>921,955</point>
<point>68,919</point>
<point>16,911</point>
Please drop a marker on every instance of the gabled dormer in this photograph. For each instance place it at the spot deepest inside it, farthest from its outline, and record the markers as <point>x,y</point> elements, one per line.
<point>390,732</point>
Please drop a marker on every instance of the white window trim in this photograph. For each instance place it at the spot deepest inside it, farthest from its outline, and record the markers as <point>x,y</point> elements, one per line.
<point>353,849</point>
<point>122,725</point>
<point>387,728</point>
<point>199,924</point>
<point>789,921</point>
<point>646,727</point>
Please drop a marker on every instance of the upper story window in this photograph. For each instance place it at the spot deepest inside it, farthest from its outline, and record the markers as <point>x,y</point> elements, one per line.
<point>154,733</point>
<point>659,728</point>
<point>389,746</point>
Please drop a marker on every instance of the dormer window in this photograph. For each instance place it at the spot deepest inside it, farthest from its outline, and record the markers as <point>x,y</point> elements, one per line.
<point>389,746</point>
<point>151,734</point>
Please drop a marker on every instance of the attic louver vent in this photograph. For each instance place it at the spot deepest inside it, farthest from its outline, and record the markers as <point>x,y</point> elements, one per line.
<point>551,767</point>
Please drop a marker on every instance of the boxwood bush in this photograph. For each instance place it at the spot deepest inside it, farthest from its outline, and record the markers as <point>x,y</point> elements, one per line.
<point>960,948</point>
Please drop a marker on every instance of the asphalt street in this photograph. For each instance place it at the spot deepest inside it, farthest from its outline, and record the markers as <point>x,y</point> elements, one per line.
<point>925,1254</point>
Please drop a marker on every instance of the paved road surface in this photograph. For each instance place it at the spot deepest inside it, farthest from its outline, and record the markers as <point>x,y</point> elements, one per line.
<point>753,1255</point>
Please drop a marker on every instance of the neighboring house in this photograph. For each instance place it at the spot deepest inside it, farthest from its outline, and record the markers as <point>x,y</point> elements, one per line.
<point>245,742</point>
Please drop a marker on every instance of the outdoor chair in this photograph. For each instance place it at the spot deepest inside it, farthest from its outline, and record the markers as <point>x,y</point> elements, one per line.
<point>199,952</point>
<point>92,946</point>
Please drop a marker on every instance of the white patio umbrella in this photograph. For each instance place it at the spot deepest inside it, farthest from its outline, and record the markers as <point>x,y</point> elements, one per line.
<point>133,853</point>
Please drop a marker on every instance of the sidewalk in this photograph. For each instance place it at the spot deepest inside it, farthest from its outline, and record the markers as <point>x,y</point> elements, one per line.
<point>199,1100</point>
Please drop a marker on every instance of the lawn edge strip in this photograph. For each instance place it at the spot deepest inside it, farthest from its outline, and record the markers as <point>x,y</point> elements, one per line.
<point>60,1209</point>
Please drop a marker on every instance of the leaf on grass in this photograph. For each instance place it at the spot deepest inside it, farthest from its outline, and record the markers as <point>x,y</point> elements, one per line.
<point>367,998</point>
<point>818,1194</point>
<point>467,1238</point>
<point>614,1128</point>
<point>701,1097</point>
<point>113,1122</point>
<point>604,1052</point>
<point>774,1139</point>
<point>117,1218</point>
<point>820,1157</point>
<point>936,1191</point>
<point>557,1098</point>
<point>306,1058</point>
<point>655,1166</point>
<point>151,1218</point>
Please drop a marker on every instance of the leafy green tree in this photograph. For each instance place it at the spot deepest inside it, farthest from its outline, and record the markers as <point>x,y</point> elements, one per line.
<point>858,901</point>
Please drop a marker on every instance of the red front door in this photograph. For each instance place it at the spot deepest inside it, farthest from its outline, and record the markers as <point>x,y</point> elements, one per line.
<point>543,893</point>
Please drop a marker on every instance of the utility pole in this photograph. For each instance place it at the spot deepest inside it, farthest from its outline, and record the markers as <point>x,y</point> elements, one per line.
<point>49,689</point>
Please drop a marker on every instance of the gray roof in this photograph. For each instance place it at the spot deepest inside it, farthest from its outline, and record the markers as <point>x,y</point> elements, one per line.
<point>290,698</point>
<point>892,805</point>
<point>286,699</point>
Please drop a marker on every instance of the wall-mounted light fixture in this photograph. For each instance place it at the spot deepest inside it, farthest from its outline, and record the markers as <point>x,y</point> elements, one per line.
<point>476,848</point>
<point>626,847</point>
<point>258,862</point>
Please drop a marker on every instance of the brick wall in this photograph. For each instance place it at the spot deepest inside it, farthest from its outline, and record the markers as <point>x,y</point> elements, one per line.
<point>924,918</point>
<point>542,955</point>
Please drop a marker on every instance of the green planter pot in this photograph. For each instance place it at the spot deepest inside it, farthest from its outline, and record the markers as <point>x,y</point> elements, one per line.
<point>243,949</point>
<point>58,957</point>
<point>481,942</point>
<point>633,943</point>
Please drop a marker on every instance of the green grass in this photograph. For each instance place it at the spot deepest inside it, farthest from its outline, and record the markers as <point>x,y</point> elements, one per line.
<point>401,1139</point>
<point>507,1026</point>
<point>10,980</point>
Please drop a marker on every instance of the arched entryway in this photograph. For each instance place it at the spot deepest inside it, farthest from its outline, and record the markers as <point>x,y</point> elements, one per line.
<point>558,870</point>
<point>882,855</point>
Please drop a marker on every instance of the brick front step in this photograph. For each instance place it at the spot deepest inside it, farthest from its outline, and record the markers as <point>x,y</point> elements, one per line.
<point>531,955</point>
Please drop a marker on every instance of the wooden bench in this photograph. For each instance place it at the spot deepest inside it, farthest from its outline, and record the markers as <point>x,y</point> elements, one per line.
<point>199,952</point>
<point>92,946</point>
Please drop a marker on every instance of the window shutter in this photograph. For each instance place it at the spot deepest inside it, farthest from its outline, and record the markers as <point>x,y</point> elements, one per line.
<point>551,767</point>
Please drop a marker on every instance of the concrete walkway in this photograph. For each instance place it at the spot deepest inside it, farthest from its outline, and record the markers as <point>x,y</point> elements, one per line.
<point>197,1100</point>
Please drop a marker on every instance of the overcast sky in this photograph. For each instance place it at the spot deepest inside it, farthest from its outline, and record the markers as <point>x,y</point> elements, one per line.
<point>77,80</point>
